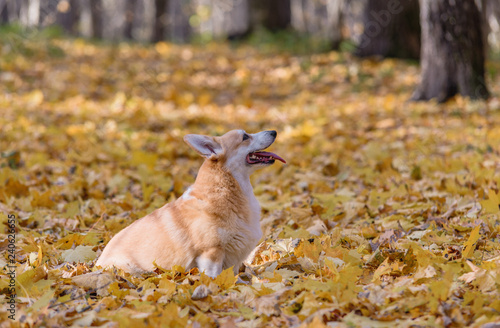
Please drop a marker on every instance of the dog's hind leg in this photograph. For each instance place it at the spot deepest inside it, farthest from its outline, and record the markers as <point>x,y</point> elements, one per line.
<point>210,262</point>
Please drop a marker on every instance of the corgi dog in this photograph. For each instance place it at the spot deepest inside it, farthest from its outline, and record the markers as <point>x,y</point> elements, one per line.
<point>214,225</point>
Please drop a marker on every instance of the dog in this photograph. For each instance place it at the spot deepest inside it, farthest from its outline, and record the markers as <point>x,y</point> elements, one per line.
<point>214,225</point>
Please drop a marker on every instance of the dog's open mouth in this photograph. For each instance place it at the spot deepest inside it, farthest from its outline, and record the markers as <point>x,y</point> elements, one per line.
<point>263,157</point>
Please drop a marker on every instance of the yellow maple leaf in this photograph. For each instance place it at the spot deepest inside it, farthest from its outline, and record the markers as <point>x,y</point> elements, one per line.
<point>42,199</point>
<point>168,287</point>
<point>384,268</point>
<point>312,250</point>
<point>226,278</point>
<point>43,301</point>
<point>25,282</point>
<point>469,246</point>
<point>492,204</point>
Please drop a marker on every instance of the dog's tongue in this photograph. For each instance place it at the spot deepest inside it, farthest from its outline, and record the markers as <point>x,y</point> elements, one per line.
<point>269,154</point>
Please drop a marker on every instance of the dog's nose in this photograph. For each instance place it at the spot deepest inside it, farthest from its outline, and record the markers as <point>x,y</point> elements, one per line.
<point>273,133</point>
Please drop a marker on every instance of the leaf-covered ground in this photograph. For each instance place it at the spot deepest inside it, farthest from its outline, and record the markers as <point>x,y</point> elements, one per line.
<point>387,213</point>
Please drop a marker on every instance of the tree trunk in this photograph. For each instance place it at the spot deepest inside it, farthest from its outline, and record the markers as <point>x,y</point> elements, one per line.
<point>96,12</point>
<point>144,20</point>
<point>222,18</point>
<point>272,14</point>
<point>113,18</point>
<point>48,12</point>
<point>160,20</point>
<point>4,10</point>
<point>68,16</point>
<point>320,18</point>
<point>452,51</point>
<point>130,7</point>
<point>179,28</point>
<point>278,15</point>
<point>492,10</point>
<point>30,13</point>
<point>14,10</point>
<point>85,26</point>
<point>390,29</point>
<point>485,28</point>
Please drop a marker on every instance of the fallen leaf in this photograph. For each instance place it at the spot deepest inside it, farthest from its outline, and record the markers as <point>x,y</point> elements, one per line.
<point>98,281</point>
<point>470,245</point>
<point>200,292</point>
<point>79,254</point>
<point>492,204</point>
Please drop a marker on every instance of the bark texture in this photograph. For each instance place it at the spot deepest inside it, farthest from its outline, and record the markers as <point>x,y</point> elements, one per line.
<point>452,51</point>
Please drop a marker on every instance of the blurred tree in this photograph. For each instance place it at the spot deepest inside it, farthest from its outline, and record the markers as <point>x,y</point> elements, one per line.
<point>114,19</point>
<point>49,13</point>
<point>272,14</point>
<point>390,29</point>
<point>377,27</point>
<point>30,12</point>
<point>485,29</point>
<point>9,10</point>
<point>96,13</point>
<point>129,18</point>
<point>68,14</point>
<point>4,10</point>
<point>492,32</point>
<point>160,20</point>
<point>178,25</point>
<point>320,18</point>
<point>222,18</point>
<point>452,51</point>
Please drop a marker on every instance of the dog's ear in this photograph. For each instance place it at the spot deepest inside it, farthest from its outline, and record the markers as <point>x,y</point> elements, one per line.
<point>206,146</point>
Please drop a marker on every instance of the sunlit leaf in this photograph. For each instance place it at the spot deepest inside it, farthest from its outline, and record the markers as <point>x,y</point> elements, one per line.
<point>470,245</point>
<point>492,204</point>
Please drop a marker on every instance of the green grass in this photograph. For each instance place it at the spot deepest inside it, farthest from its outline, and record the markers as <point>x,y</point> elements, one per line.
<point>287,41</point>
<point>17,39</point>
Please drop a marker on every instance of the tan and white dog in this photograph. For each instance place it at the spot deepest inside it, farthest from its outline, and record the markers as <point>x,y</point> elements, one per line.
<point>214,225</point>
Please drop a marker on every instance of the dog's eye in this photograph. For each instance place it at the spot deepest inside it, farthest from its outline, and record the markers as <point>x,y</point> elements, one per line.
<point>245,137</point>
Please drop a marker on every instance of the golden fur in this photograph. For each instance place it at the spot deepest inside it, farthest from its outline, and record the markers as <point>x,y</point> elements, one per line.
<point>214,225</point>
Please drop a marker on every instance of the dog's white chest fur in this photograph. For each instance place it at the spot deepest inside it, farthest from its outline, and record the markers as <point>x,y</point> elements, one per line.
<point>241,239</point>
<point>254,207</point>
